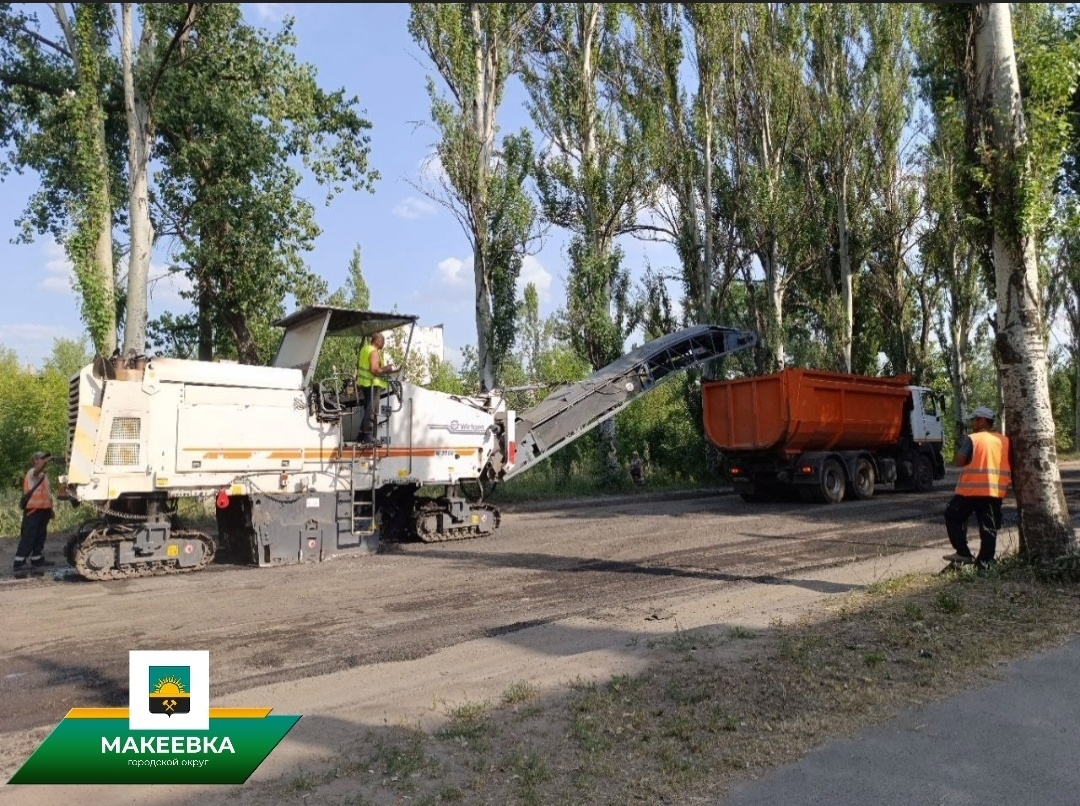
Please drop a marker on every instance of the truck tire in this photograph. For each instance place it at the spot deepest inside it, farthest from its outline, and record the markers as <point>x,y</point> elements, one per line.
<point>861,486</point>
<point>833,482</point>
<point>923,476</point>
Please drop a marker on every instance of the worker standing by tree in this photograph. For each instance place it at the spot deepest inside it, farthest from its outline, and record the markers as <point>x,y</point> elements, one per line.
<point>983,483</point>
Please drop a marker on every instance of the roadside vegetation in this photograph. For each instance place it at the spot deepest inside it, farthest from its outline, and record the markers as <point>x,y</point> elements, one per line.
<point>717,705</point>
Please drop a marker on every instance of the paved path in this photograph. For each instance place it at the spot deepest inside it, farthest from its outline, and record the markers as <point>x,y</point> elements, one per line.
<point>1011,741</point>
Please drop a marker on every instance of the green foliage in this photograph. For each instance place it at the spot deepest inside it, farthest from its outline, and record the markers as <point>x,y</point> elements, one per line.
<point>1063,400</point>
<point>33,407</point>
<point>590,182</point>
<point>340,353</point>
<point>53,97</point>
<point>474,47</point>
<point>232,122</point>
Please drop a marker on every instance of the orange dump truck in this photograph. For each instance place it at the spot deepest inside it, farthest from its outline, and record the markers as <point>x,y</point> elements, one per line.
<point>824,434</point>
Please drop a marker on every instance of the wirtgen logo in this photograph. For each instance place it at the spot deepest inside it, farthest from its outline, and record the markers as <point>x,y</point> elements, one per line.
<point>169,690</point>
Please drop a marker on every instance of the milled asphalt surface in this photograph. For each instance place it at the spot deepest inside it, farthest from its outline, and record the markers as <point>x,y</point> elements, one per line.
<point>1012,741</point>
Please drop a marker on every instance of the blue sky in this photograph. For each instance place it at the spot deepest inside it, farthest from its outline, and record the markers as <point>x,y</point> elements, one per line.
<point>415,255</point>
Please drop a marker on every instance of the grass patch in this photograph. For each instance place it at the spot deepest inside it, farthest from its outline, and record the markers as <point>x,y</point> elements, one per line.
<point>303,782</point>
<point>686,730</point>
<point>469,721</point>
<point>741,633</point>
<point>949,602</point>
<point>687,640</point>
<point>519,692</point>
<point>66,519</point>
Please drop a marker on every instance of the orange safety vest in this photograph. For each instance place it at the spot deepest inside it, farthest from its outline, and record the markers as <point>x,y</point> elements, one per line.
<point>41,497</point>
<point>989,473</point>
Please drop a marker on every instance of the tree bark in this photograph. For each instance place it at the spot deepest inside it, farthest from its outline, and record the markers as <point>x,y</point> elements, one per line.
<point>137,114</point>
<point>847,299</point>
<point>246,349</point>
<point>1021,350</point>
<point>103,248</point>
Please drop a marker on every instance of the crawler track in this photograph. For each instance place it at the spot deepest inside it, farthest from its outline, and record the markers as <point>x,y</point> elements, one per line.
<point>95,553</point>
<point>464,532</point>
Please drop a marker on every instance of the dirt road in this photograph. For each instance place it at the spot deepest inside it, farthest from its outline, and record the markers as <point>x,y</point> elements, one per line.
<point>561,583</point>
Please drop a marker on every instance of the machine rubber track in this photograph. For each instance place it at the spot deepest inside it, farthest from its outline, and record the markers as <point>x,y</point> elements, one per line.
<point>88,552</point>
<point>463,532</point>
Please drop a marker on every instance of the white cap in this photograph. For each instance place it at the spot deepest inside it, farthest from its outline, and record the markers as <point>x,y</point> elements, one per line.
<point>984,412</point>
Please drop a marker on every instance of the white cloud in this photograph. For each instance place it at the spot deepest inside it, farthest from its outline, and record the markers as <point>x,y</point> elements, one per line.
<point>432,172</point>
<point>533,271</point>
<point>33,343</point>
<point>59,272</point>
<point>457,272</point>
<point>413,207</point>
<point>164,286</point>
<point>454,356</point>
<point>274,12</point>
<point>452,270</point>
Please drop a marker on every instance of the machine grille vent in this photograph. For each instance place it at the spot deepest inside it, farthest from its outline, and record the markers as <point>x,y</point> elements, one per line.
<point>73,409</point>
<point>121,453</point>
<point>125,428</point>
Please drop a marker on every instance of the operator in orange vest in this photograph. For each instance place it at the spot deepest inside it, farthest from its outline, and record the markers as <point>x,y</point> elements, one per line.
<point>984,481</point>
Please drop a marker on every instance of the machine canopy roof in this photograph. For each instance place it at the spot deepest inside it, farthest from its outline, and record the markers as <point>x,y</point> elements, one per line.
<point>346,321</point>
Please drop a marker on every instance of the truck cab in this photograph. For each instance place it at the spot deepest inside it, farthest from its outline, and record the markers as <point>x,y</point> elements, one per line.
<point>926,408</point>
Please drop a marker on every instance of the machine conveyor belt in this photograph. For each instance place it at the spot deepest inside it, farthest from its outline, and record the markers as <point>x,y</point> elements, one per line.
<point>576,408</point>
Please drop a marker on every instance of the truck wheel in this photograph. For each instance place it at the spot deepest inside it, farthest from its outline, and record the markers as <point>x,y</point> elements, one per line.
<point>833,482</point>
<point>924,474</point>
<point>863,480</point>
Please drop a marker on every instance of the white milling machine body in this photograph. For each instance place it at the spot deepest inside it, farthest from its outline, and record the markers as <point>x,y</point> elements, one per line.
<point>277,451</point>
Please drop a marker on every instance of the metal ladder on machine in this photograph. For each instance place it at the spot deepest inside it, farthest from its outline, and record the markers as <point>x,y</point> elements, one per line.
<point>361,502</point>
<point>357,506</point>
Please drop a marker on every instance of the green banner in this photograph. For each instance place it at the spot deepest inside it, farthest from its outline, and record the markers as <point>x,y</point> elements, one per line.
<point>104,751</point>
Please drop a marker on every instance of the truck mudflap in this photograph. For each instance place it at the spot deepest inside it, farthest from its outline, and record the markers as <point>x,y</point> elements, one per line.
<point>575,409</point>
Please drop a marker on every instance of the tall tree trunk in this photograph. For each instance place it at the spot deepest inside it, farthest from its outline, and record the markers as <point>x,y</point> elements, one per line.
<point>246,349</point>
<point>484,321</point>
<point>1076,399</point>
<point>1021,350</point>
<point>204,308</point>
<point>142,232</point>
<point>103,259</point>
<point>483,126</point>
<point>847,299</point>
<point>99,292</point>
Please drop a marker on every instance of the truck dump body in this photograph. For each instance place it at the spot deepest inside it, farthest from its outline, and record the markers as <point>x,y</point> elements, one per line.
<point>799,410</point>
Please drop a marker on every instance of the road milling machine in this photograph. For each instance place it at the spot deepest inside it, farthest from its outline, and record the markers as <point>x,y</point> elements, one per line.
<point>276,449</point>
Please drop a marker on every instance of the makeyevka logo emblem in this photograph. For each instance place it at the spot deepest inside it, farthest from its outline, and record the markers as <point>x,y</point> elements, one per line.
<point>170,690</point>
<point>168,734</point>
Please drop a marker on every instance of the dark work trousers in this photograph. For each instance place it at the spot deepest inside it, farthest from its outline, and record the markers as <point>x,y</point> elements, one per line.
<point>369,428</point>
<point>987,511</point>
<point>35,525</point>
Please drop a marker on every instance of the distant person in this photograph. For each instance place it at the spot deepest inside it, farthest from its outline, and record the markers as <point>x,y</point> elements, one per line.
<point>637,469</point>
<point>37,507</point>
<point>371,375</point>
<point>984,481</point>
